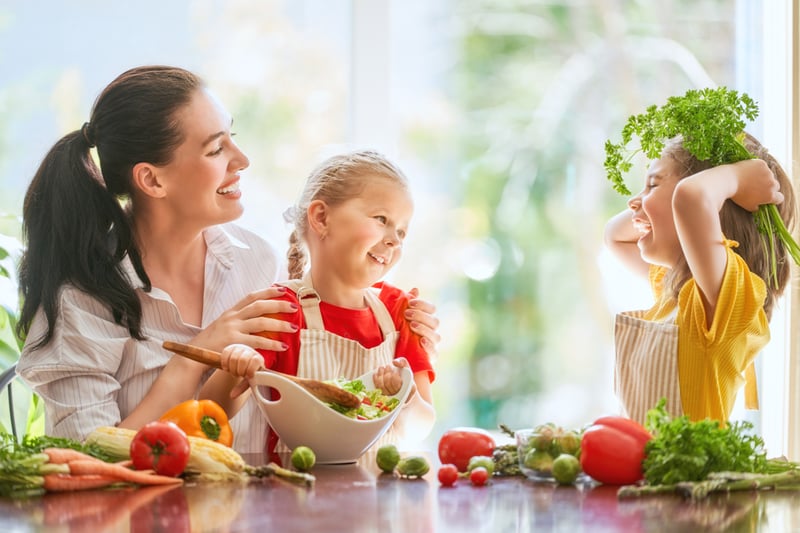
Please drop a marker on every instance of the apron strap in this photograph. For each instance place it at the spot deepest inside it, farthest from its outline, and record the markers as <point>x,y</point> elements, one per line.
<point>308,298</point>
<point>381,313</point>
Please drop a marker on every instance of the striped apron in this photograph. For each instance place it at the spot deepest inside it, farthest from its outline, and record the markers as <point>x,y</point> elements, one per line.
<point>325,355</point>
<point>646,368</point>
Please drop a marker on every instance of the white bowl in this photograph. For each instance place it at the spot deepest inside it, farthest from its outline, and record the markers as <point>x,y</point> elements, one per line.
<point>300,419</point>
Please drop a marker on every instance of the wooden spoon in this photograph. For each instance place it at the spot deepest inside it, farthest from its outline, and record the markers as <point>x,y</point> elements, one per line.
<point>327,392</point>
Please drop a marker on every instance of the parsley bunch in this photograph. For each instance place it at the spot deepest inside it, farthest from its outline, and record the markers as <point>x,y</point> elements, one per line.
<point>710,121</point>
<point>711,124</point>
<point>682,450</point>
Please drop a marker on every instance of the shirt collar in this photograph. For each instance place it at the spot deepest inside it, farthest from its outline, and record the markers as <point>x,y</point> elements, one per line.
<point>220,245</point>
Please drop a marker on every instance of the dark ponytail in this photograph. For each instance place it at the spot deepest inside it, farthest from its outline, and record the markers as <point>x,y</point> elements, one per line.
<point>75,228</point>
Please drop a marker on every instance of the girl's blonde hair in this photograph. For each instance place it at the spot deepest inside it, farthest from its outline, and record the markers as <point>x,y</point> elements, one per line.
<point>738,224</point>
<point>336,180</point>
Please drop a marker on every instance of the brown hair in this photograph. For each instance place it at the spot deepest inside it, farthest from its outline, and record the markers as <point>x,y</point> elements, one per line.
<point>738,224</point>
<point>74,226</point>
<point>335,180</point>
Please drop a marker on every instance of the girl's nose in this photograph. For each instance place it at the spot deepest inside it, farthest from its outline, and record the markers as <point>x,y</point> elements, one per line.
<point>392,237</point>
<point>634,203</point>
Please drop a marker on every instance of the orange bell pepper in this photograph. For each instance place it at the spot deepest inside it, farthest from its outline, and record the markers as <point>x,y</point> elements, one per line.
<point>201,418</point>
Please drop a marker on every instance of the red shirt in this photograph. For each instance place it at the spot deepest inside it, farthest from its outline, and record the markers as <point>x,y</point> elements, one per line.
<point>356,324</point>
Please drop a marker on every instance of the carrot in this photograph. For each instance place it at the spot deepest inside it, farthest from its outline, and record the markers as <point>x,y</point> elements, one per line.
<point>69,482</point>
<point>121,473</point>
<point>65,455</point>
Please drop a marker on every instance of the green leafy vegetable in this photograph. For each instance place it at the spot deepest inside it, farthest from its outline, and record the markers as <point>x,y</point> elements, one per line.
<point>711,124</point>
<point>682,450</point>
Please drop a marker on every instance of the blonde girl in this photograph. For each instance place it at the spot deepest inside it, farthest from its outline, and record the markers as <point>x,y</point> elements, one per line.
<point>349,227</point>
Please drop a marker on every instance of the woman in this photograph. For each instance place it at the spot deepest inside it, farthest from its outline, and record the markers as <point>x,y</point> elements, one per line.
<point>141,250</point>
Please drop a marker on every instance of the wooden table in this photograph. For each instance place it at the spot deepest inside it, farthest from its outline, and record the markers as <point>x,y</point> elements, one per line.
<point>357,498</point>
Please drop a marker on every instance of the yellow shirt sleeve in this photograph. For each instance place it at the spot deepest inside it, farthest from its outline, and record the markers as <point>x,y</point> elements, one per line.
<point>714,362</point>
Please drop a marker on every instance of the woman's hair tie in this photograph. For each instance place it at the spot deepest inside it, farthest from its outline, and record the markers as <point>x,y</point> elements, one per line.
<point>86,135</point>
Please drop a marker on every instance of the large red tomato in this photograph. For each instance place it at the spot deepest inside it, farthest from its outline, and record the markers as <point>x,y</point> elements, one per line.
<point>612,450</point>
<point>160,446</point>
<point>458,445</point>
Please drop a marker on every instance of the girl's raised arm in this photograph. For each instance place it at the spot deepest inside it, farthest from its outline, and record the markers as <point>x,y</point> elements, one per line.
<point>620,238</point>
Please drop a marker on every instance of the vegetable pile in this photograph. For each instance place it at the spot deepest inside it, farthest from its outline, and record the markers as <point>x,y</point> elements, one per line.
<point>711,124</point>
<point>696,458</point>
<point>208,460</point>
<point>40,464</point>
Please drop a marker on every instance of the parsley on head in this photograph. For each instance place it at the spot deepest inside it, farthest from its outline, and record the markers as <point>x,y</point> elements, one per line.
<point>710,121</point>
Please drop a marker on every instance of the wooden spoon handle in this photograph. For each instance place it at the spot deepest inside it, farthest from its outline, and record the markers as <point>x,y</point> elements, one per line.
<point>201,355</point>
<point>326,392</point>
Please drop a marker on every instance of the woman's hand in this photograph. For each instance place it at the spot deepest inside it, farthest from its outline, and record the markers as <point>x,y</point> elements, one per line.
<point>241,323</point>
<point>421,320</point>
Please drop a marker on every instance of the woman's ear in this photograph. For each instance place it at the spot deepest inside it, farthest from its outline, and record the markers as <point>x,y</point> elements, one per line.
<point>317,214</point>
<point>145,178</point>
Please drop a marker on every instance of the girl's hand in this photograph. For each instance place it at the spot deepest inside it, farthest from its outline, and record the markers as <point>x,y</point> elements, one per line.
<point>241,323</point>
<point>421,320</point>
<point>242,361</point>
<point>388,377</point>
<point>756,185</point>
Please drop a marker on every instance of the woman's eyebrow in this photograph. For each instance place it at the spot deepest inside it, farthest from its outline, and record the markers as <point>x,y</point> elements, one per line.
<point>212,137</point>
<point>216,135</point>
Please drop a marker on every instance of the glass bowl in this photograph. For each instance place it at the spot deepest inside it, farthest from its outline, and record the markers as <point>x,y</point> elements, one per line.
<point>538,447</point>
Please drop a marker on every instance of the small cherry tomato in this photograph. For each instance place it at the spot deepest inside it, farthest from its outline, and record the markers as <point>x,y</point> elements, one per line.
<point>160,446</point>
<point>448,474</point>
<point>479,476</point>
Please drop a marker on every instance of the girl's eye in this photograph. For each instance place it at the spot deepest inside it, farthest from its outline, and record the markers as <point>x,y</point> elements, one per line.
<point>381,219</point>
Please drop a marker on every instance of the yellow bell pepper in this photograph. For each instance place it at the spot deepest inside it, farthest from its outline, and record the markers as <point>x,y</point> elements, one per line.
<point>201,418</point>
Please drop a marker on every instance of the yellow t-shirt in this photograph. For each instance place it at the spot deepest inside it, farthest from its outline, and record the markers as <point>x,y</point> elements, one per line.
<point>714,362</point>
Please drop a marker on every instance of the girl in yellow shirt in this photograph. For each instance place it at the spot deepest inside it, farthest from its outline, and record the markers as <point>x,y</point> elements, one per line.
<point>691,230</point>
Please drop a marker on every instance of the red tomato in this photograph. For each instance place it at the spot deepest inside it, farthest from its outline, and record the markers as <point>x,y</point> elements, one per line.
<point>160,446</point>
<point>479,476</point>
<point>448,475</point>
<point>458,445</point>
<point>612,450</point>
